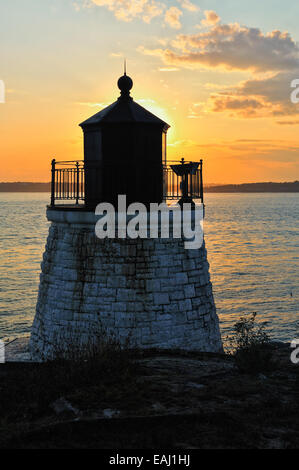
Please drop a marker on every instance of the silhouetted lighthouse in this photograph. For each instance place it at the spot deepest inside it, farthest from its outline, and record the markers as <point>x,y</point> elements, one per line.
<point>153,291</point>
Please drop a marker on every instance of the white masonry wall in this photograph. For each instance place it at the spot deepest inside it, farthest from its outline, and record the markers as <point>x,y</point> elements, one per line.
<point>150,293</point>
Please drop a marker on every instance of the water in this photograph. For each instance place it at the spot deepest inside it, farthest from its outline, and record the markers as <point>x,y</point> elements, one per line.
<point>253,250</point>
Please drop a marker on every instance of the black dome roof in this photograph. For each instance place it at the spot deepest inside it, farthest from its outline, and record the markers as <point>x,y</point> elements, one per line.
<point>124,110</point>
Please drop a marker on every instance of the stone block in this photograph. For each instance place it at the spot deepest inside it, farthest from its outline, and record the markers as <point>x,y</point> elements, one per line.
<point>185,305</point>
<point>181,278</point>
<point>161,299</point>
<point>153,285</point>
<point>177,295</point>
<point>189,291</point>
<point>125,295</point>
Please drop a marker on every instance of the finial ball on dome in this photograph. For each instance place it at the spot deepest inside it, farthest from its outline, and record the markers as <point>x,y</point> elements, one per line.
<point>125,84</point>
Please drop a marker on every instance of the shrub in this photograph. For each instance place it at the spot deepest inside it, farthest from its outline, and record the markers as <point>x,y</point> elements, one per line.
<point>103,354</point>
<point>251,346</point>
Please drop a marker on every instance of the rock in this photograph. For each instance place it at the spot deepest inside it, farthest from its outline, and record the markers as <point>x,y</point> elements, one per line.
<point>108,413</point>
<point>62,406</point>
<point>158,407</point>
<point>194,385</point>
<point>262,377</point>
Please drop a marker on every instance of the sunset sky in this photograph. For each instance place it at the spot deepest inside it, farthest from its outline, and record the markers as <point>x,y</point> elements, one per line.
<point>218,71</point>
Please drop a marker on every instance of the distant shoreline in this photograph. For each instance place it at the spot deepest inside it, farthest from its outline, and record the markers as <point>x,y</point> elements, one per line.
<point>288,187</point>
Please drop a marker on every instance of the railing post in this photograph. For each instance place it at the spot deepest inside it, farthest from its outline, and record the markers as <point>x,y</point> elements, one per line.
<point>53,183</point>
<point>78,183</point>
<point>201,181</point>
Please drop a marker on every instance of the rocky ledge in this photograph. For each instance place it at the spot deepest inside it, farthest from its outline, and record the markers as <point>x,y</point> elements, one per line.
<point>168,399</point>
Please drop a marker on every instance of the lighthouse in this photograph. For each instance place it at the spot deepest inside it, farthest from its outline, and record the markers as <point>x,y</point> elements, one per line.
<point>148,292</point>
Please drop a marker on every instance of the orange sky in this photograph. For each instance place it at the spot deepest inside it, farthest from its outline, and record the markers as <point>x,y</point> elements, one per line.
<point>222,84</point>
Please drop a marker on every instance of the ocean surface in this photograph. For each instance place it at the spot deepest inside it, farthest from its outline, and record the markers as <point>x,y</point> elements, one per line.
<point>253,250</point>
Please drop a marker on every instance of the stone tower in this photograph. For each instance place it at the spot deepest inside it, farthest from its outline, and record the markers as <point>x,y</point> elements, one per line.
<point>147,292</point>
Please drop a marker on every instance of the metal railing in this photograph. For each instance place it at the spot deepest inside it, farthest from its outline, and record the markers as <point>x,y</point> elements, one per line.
<point>68,181</point>
<point>189,186</point>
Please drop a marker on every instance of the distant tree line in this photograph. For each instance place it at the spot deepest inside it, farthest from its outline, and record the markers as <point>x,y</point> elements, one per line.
<point>289,187</point>
<point>25,187</point>
<point>255,188</point>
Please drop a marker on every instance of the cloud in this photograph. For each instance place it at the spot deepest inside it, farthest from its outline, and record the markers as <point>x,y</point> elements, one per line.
<point>196,110</point>
<point>145,101</point>
<point>288,123</point>
<point>275,150</point>
<point>270,151</point>
<point>188,5</point>
<point>267,97</point>
<point>239,106</point>
<point>273,159</point>
<point>146,10</point>
<point>91,105</point>
<point>271,59</point>
<point>232,47</point>
<point>127,10</point>
<point>172,17</point>
<point>168,69</point>
<point>184,143</point>
<point>211,18</point>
